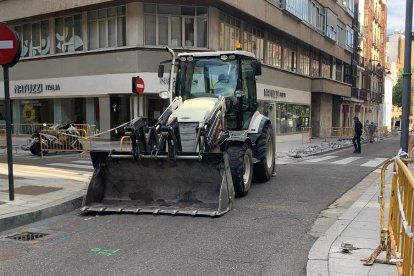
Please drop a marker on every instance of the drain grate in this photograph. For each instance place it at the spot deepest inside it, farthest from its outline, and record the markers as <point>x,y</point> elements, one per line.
<point>27,236</point>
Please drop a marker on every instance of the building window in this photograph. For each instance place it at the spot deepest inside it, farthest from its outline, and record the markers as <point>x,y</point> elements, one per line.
<point>339,71</point>
<point>317,17</point>
<point>315,65</point>
<point>348,6</point>
<point>303,61</point>
<point>326,67</point>
<point>341,34</point>
<point>35,38</point>
<point>106,28</point>
<point>289,56</point>
<point>298,8</point>
<point>291,118</point>
<point>253,40</point>
<point>349,38</point>
<point>274,51</point>
<point>68,34</point>
<point>331,24</point>
<point>175,25</point>
<point>229,32</point>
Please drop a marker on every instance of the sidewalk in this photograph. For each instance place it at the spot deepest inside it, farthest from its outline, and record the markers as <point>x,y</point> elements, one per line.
<point>38,197</point>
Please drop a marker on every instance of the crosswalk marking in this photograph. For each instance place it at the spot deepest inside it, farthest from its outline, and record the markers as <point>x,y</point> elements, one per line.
<point>346,160</point>
<point>83,162</point>
<point>322,158</point>
<point>69,165</point>
<point>374,163</point>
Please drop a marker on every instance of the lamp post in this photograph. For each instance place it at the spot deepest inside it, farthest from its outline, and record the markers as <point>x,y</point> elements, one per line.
<point>406,96</point>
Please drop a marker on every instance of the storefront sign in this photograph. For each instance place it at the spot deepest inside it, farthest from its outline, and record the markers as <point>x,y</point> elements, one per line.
<point>36,88</point>
<point>282,94</point>
<point>273,93</point>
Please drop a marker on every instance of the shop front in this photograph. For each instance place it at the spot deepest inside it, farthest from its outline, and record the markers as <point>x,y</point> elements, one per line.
<point>292,109</point>
<point>104,101</point>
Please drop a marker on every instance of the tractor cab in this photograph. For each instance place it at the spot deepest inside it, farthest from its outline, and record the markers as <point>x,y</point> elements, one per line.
<point>228,74</point>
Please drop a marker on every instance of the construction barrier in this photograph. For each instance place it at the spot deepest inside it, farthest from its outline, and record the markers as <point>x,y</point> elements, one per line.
<point>90,130</point>
<point>125,143</point>
<point>397,238</point>
<point>62,141</point>
<point>347,132</point>
<point>3,142</point>
<point>306,133</point>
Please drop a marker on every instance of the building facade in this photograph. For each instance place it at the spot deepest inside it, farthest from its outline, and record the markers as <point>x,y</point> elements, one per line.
<point>79,57</point>
<point>370,63</point>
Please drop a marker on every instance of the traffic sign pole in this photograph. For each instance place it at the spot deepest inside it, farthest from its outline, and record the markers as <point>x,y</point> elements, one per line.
<point>10,51</point>
<point>8,131</point>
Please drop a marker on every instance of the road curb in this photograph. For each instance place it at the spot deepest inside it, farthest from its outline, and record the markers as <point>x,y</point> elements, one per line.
<point>62,206</point>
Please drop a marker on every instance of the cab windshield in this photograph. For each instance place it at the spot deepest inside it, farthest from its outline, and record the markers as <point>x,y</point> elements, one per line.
<point>211,77</point>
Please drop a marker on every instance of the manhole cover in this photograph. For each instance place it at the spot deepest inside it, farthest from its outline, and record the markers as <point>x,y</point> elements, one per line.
<point>27,236</point>
<point>34,190</point>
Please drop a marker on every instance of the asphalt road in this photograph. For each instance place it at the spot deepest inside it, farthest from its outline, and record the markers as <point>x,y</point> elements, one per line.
<point>268,232</point>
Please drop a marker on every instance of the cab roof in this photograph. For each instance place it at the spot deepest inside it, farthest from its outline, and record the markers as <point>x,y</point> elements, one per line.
<point>217,54</point>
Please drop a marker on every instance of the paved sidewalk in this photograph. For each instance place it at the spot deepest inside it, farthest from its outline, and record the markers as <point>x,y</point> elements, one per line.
<point>38,196</point>
<point>353,237</point>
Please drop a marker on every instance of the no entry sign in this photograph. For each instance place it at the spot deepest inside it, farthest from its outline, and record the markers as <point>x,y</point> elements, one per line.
<point>138,85</point>
<point>9,46</point>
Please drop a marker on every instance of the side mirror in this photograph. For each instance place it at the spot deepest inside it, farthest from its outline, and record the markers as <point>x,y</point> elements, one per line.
<point>161,71</point>
<point>257,68</point>
<point>164,95</point>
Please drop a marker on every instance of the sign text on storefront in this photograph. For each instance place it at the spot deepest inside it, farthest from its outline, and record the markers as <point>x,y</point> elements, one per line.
<point>36,88</point>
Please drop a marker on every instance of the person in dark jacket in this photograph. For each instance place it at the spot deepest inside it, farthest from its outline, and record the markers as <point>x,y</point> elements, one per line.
<point>357,135</point>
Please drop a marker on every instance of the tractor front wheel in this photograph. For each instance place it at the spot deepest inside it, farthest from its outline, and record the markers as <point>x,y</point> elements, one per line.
<point>241,166</point>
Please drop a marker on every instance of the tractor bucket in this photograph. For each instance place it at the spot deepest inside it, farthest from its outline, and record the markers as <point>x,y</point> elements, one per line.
<point>189,185</point>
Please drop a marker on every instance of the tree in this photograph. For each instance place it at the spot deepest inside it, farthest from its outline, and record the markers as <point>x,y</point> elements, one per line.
<point>397,91</point>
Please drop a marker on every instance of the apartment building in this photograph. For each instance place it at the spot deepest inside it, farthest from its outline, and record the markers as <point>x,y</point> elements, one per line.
<point>368,95</point>
<point>79,57</point>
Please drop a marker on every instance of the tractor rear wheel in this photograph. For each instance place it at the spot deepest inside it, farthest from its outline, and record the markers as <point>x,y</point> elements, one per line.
<point>265,153</point>
<point>241,166</point>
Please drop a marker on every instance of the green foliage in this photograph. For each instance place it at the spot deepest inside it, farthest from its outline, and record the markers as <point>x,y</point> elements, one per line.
<point>397,90</point>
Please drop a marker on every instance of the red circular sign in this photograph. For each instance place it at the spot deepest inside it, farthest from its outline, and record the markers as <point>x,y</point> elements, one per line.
<point>139,85</point>
<point>9,46</point>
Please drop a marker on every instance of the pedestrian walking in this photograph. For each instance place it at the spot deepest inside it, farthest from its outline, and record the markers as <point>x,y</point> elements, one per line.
<point>357,135</point>
<point>371,130</point>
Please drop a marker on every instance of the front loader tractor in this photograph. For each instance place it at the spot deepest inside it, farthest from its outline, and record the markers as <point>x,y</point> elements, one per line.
<point>206,148</point>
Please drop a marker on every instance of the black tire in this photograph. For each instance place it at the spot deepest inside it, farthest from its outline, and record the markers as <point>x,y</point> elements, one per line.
<point>35,149</point>
<point>265,153</point>
<point>241,167</point>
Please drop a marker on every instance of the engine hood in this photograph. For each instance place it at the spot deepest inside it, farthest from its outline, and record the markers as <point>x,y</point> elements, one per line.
<point>194,110</point>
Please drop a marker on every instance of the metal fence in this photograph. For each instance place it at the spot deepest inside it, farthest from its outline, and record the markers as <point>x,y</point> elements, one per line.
<point>63,141</point>
<point>397,238</point>
<point>29,129</point>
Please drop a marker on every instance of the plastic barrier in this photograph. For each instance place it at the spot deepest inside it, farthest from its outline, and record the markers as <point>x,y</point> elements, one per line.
<point>397,238</point>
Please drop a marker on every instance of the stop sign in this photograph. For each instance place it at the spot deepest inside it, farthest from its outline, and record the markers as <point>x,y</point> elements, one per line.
<point>139,85</point>
<point>9,46</point>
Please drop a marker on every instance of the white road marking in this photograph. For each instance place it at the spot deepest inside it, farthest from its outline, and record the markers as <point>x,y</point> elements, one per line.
<point>83,162</point>
<point>322,159</point>
<point>346,160</point>
<point>68,165</point>
<point>374,163</point>
<point>6,44</point>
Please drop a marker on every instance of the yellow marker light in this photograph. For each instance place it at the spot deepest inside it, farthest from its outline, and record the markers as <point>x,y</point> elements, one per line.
<point>238,46</point>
